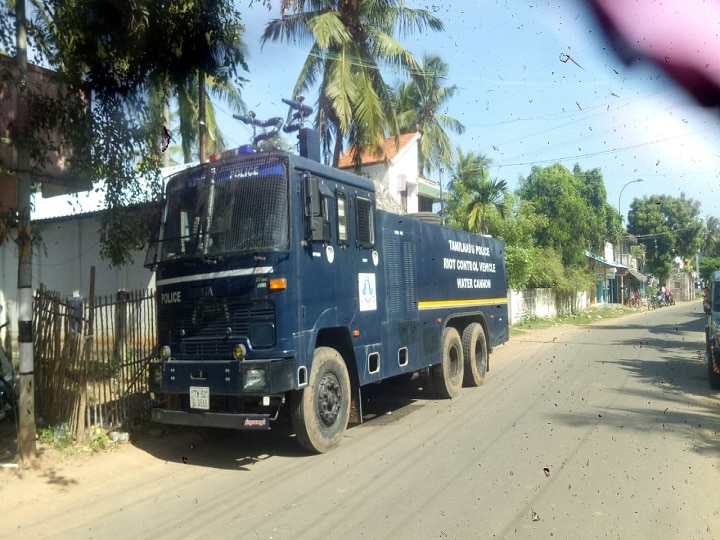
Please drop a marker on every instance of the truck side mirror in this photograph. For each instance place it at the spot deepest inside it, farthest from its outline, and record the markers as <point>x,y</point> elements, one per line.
<point>317,221</point>
<point>312,197</point>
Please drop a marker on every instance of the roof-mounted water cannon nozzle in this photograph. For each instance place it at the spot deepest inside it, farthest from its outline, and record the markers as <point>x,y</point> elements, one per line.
<point>275,123</point>
<point>297,105</point>
<point>296,119</point>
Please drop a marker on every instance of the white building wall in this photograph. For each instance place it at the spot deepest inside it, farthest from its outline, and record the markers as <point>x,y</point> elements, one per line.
<point>71,248</point>
<point>404,164</point>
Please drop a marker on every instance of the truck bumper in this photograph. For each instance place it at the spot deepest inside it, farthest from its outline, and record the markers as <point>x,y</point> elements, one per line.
<point>211,419</point>
<point>227,377</point>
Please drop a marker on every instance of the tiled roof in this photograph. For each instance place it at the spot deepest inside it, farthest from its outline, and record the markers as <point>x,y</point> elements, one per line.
<point>368,158</point>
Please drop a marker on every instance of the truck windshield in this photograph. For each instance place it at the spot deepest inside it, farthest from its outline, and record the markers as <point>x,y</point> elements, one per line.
<point>241,208</point>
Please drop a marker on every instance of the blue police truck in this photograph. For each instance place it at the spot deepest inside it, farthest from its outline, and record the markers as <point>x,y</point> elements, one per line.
<point>281,284</point>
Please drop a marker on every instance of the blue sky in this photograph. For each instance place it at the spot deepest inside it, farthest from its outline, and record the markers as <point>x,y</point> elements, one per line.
<point>522,106</point>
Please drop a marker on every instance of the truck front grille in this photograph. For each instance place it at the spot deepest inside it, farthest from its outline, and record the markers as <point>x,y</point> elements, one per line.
<point>203,329</point>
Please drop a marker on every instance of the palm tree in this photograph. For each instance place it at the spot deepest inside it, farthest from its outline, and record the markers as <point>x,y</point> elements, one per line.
<point>473,194</point>
<point>712,236</point>
<point>187,114</point>
<point>183,121</point>
<point>351,42</point>
<point>419,106</point>
<point>487,195</point>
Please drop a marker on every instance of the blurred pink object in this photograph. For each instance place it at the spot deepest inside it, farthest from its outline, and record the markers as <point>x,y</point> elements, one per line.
<point>680,36</point>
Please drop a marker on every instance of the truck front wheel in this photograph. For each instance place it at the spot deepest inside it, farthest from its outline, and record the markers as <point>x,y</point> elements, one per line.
<point>321,410</point>
<point>447,376</point>
<point>475,353</point>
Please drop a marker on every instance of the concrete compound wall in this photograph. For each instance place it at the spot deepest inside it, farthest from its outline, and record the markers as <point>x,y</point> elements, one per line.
<point>543,303</point>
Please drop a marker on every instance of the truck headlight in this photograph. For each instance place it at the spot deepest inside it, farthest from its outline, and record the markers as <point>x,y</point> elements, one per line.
<point>253,379</point>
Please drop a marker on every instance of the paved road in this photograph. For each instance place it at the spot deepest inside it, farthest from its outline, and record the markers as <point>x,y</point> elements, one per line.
<point>605,431</point>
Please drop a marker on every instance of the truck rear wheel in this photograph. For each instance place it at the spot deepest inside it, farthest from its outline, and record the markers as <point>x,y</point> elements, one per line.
<point>475,354</point>
<point>447,376</point>
<point>320,412</point>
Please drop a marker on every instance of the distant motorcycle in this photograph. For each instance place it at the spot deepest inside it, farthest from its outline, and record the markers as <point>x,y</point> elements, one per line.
<point>662,300</point>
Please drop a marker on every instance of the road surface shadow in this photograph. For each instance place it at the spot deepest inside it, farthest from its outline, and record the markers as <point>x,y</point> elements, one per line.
<point>239,449</point>
<point>668,357</point>
<point>677,367</point>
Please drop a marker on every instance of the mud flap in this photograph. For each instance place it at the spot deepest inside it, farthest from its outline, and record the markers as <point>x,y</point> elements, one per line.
<point>356,406</point>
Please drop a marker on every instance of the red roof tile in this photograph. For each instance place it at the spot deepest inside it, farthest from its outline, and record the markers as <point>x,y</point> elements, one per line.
<point>368,158</point>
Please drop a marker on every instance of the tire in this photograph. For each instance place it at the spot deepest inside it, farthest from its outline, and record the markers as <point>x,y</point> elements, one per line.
<point>713,372</point>
<point>475,354</point>
<point>447,376</point>
<point>320,412</point>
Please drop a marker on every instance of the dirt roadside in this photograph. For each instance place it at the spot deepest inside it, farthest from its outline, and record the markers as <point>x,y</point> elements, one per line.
<point>54,471</point>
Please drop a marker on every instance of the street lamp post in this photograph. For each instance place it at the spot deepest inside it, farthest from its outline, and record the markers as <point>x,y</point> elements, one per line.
<point>442,200</point>
<point>621,237</point>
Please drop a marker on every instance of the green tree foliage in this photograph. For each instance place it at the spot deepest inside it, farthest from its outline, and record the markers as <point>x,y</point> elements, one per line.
<point>114,45</point>
<point>592,189</point>
<point>351,41</point>
<point>575,204</point>
<point>419,105</point>
<point>669,227</point>
<point>707,266</point>
<point>517,228</point>
<point>711,242</point>
<point>521,221</point>
<point>488,197</point>
<point>7,25</point>
<point>465,174</point>
<point>113,52</point>
<point>518,263</point>
<point>187,114</point>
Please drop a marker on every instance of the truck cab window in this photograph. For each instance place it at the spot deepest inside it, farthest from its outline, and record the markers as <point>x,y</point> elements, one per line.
<point>342,222</point>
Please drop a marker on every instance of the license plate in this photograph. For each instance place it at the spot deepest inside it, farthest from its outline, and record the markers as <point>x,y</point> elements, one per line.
<point>200,397</point>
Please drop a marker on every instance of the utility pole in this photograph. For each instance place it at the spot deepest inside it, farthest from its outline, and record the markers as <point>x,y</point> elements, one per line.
<point>202,126</point>
<point>622,237</point>
<point>26,402</point>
